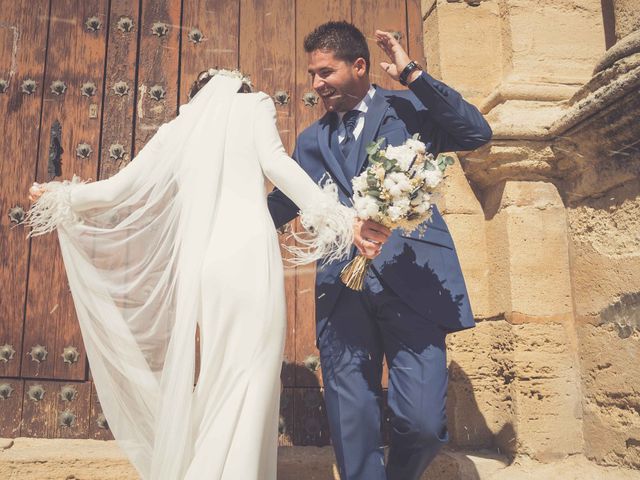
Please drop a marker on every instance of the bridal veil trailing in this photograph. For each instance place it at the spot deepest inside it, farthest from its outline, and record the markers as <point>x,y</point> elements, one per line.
<point>179,237</point>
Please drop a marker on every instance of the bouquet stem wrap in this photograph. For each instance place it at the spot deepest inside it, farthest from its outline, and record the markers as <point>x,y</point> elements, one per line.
<point>353,273</point>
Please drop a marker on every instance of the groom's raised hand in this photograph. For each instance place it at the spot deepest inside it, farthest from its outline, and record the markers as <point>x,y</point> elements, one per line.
<point>369,236</point>
<point>397,56</point>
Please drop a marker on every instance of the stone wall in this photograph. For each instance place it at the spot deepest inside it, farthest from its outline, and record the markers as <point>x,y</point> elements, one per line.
<point>545,220</point>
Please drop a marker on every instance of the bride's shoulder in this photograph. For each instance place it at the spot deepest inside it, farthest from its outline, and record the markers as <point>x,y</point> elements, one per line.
<point>258,100</point>
<point>257,96</point>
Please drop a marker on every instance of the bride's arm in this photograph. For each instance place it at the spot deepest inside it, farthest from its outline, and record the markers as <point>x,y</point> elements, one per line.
<point>278,167</point>
<point>60,202</point>
<point>321,213</point>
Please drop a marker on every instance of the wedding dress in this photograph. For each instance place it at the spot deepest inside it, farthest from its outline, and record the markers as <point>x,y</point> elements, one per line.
<point>182,236</point>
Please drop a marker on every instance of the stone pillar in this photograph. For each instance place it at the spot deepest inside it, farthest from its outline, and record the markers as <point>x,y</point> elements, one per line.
<point>531,284</point>
<point>514,384</point>
<point>554,268</point>
<point>499,50</point>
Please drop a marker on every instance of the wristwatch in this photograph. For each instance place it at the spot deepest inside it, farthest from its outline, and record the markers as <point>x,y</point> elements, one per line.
<point>411,66</point>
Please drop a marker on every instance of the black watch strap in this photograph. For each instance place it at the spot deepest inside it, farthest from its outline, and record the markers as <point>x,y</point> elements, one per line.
<point>404,75</point>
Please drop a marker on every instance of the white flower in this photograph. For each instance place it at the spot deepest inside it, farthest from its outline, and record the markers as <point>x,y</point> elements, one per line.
<point>397,184</point>
<point>416,145</point>
<point>423,207</point>
<point>395,213</point>
<point>366,207</point>
<point>401,179</point>
<point>392,187</point>
<point>402,154</point>
<point>431,177</point>
<point>398,209</point>
<point>402,203</point>
<point>360,183</point>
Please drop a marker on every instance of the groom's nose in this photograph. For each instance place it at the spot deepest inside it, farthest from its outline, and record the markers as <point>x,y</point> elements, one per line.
<point>317,82</point>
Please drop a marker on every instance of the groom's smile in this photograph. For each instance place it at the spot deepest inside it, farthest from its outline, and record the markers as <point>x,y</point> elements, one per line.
<point>340,84</point>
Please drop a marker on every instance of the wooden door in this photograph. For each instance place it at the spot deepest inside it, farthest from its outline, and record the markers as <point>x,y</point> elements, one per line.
<point>102,76</point>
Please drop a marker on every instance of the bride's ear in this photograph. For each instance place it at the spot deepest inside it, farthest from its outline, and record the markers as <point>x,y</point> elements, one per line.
<point>200,81</point>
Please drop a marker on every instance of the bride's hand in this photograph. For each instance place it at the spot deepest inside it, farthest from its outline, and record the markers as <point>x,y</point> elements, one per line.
<point>36,191</point>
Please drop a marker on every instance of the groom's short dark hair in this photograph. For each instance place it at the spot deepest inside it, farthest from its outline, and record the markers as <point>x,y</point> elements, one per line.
<point>342,38</point>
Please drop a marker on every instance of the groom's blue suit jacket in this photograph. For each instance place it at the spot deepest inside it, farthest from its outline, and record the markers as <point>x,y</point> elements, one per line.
<point>423,270</point>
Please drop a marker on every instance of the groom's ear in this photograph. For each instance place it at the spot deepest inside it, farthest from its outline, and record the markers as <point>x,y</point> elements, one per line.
<point>360,67</point>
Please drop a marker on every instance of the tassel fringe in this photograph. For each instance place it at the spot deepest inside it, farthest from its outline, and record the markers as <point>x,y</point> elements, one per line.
<point>52,208</point>
<point>328,228</point>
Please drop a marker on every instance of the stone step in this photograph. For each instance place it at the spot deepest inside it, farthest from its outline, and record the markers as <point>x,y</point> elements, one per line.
<point>68,459</point>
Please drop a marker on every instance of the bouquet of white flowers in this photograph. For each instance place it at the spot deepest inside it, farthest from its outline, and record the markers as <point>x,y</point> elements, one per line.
<point>396,191</point>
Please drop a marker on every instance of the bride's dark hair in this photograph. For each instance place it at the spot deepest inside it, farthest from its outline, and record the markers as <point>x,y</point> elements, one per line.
<point>204,77</point>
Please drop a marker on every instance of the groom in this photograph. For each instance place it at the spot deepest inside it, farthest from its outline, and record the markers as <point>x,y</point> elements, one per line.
<point>414,292</point>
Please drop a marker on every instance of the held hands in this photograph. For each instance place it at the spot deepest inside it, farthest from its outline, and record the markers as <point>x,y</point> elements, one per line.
<point>397,55</point>
<point>369,236</point>
<point>36,191</point>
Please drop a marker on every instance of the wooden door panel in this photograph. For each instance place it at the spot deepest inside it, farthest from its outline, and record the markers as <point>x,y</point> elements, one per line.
<point>157,83</point>
<point>391,16</point>
<point>120,87</point>
<point>55,409</point>
<point>23,39</point>
<point>11,393</point>
<point>75,57</point>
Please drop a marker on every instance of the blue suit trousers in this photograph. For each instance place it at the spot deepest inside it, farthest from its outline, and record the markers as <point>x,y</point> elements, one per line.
<point>363,329</point>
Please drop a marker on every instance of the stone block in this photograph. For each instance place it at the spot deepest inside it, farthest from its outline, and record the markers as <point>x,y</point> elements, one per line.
<point>611,395</point>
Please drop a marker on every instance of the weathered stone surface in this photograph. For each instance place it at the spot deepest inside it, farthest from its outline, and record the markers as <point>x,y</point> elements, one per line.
<point>492,46</point>
<point>480,404</point>
<point>515,388</point>
<point>610,223</point>
<point>575,467</point>
<point>549,371</point>
<point>611,390</point>
<point>530,264</point>
<point>605,236</point>
<point>547,392</point>
<point>627,17</point>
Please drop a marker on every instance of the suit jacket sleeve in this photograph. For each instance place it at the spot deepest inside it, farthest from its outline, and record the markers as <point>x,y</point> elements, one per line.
<point>448,120</point>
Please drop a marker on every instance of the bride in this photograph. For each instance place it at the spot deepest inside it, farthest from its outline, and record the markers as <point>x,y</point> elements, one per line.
<point>182,236</point>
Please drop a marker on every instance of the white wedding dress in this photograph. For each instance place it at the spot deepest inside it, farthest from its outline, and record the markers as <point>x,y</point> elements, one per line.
<point>182,235</point>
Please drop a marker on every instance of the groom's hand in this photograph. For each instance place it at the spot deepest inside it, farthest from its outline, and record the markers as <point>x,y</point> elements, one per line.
<point>397,56</point>
<point>369,236</point>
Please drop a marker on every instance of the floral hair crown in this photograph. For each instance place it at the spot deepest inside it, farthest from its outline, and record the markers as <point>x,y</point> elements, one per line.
<point>212,72</point>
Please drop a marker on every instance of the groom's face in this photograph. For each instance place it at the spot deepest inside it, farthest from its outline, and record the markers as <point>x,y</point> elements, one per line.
<point>339,83</point>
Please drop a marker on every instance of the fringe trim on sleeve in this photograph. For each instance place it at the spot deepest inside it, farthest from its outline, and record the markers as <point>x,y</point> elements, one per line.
<point>328,228</point>
<point>53,208</point>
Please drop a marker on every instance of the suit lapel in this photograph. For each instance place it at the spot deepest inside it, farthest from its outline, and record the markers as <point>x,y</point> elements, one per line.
<point>324,128</point>
<point>373,118</point>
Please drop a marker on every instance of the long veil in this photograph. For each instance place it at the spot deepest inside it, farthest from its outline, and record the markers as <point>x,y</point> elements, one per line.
<point>133,265</point>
